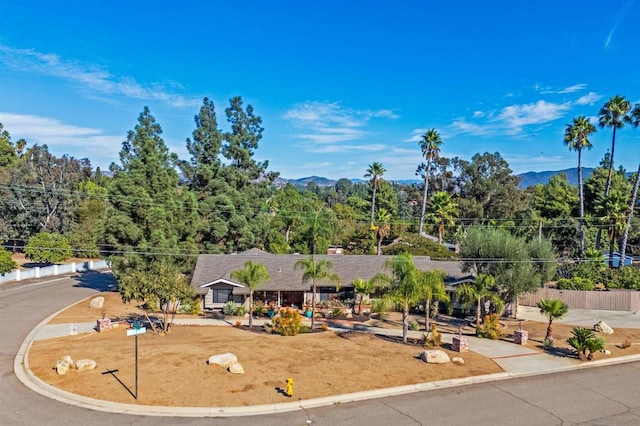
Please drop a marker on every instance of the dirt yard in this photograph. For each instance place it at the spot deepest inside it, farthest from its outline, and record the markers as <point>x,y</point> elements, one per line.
<point>561,332</point>
<point>173,370</point>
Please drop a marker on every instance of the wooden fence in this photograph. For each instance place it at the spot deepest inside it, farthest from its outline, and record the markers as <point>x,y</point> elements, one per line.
<point>614,300</point>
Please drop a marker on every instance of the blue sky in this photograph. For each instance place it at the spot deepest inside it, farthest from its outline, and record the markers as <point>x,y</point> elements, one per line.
<point>338,84</point>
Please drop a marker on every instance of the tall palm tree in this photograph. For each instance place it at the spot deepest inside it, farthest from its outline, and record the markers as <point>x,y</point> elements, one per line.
<point>576,137</point>
<point>635,116</point>
<point>613,212</point>
<point>363,288</point>
<point>431,285</point>
<point>614,114</point>
<point>477,291</point>
<point>632,206</point>
<point>253,275</point>
<point>430,145</point>
<point>403,286</point>
<point>382,227</point>
<point>316,271</point>
<point>375,172</point>
<point>442,211</point>
<point>553,309</point>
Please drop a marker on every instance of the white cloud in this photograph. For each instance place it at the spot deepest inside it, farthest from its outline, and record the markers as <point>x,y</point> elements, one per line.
<point>343,148</point>
<point>83,141</point>
<point>574,88</point>
<point>622,13</point>
<point>588,99</point>
<point>460,125</point>
<point>514,117</point>
<point>416,134</point>
<point>91,77</point>
<point>477,114</point>
<point>571,89</point>
<point>330,122</point>
<point>511,120</point>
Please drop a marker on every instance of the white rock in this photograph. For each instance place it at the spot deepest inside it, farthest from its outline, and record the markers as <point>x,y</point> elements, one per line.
<point>435,356</point>
<point>457,360</point>
<point>606,351</point>
<point>602,327</point>
<point>85,364</point>
<point>236,368</point>
<point>63,365</point>
<point>97,302</point>
<point>224,360</point>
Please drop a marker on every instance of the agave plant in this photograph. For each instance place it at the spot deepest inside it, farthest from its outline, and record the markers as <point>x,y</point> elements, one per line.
<point>585,342</point>
<point>230,308</point>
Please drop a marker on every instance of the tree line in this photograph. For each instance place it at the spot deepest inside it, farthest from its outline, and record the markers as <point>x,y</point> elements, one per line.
<point>155,208</point>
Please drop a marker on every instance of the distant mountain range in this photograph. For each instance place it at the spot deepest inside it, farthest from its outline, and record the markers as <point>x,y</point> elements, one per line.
<point>526,179</point>
<point>533,178</point>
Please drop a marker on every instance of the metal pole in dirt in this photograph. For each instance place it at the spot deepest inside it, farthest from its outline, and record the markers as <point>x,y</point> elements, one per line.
<point>136,367</point>
<point>137,329</point>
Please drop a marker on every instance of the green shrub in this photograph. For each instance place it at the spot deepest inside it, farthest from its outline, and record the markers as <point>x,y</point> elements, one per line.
<point>379,306</point>
<point>418,246</point>
<point>231,308</point>
<point>491,329</point>
<point>575,283</point>
<point>627,278</point>
<point>335,312</point>
<point>414,325</point>
<point>191,307</point>
<point>6,261</point>
<point>585,342</point>
<point>288,322</point>
<point>259,309</point>
<point>48,248</point>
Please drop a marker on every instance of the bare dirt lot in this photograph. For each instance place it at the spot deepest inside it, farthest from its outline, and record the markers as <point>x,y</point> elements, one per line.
<point>173,369</point>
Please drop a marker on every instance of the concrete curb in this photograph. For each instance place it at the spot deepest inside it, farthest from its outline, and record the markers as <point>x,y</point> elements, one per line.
<point>29,379</point>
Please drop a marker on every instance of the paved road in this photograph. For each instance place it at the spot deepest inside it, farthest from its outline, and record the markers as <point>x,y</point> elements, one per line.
<point>598,396</point>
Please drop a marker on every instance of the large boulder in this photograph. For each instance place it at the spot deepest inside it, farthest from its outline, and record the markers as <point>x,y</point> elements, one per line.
<point>96,302</point>
<point>85,364</point>
<point>63,365</point>
<point>434,356</point>
<point>224,360</point>
<point>236,368</point>
<point>602,327</point>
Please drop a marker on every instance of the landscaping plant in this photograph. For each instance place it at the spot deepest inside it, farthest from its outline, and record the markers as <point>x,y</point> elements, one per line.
<point>491,329</point>
<point>288,323</point>
<point>230,308</point>
<point>585,342</point>
<point>552,309</point>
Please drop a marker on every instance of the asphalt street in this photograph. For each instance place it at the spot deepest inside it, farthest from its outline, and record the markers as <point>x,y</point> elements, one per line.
<point>598,396</point>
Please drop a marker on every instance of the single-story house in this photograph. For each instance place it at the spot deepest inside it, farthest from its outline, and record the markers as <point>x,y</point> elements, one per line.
<point>212,276</point>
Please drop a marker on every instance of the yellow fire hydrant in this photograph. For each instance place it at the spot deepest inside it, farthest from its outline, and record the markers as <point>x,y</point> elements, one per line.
<point>289,390</point>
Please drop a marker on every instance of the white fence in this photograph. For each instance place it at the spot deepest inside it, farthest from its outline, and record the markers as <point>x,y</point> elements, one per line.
<point>37,272</point>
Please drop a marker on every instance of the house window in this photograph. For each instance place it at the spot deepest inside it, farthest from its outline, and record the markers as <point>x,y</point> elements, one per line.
<point>222,295</point>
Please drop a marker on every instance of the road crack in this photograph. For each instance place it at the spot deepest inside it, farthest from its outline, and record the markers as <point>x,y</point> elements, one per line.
<point>562,422</point>
<point>403,413</point>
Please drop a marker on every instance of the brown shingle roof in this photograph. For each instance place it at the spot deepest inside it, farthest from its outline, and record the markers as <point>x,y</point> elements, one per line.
<point>212,267</point>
